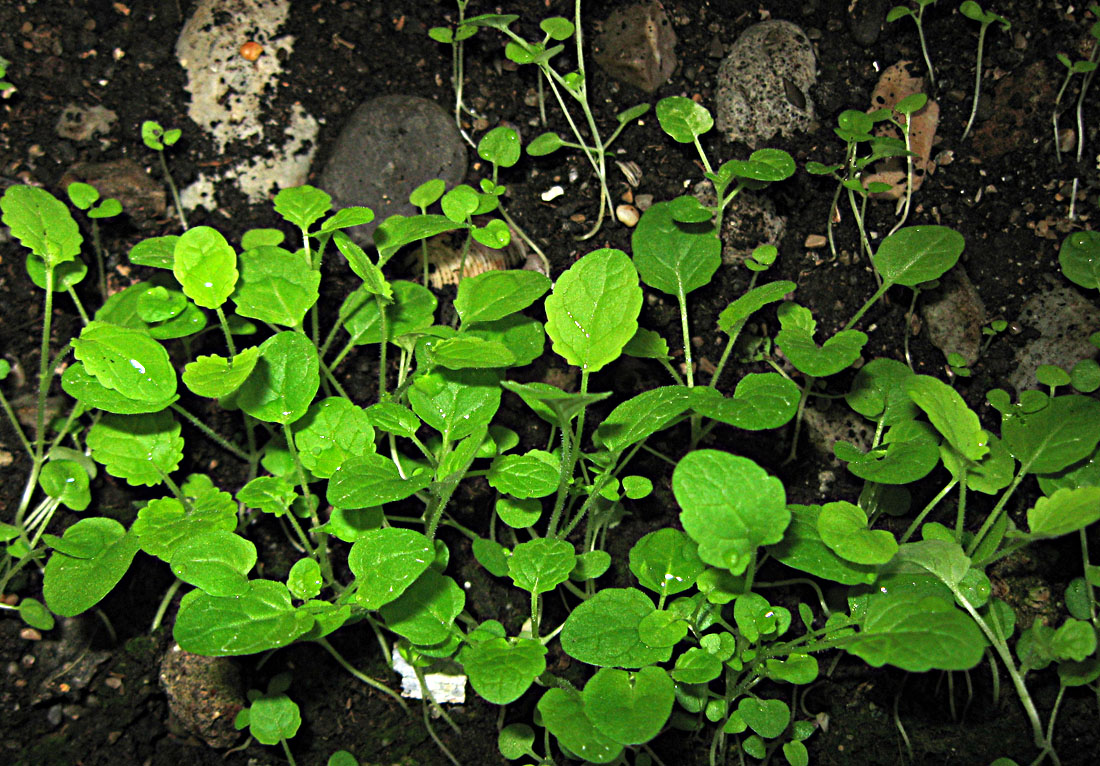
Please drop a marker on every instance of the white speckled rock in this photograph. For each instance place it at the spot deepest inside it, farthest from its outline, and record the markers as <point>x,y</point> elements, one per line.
<point>229,93</point>
<point>764,84</point>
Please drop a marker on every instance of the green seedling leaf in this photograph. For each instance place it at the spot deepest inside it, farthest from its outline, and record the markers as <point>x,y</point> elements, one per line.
<point>158,252</point>
<point>495,233</point>
<point>802,548</point>
<point>273,718</point>
<point>500,146</point>
<point>426,611</point>
<point>459,203</point>
<point>397,231</point>
<point>518,514</point>
<point>216,561</point>
<point>215,376</point>
<point>545,143</point>
<point>1074,640</point>
<point>918,254</point>
<point>768,165</point>
<point>284,381</point>
<point>159,304</point>
<point>254,238</point>
<point>370,480</point>
<point>943,558</point>
<point>81,194</point>
<point>557,28</point>
<point>594,308</point>
<point>662,628</point>
<point>534,474</point>
<point>604,630</point>
<point>539,566</point>
<point>374,282</point>
<point>428,193</point>
<point>563,715</point>
<point>74,584</point>
<point>642,416</point>
<point>917,634</point>
<point>646,344</point>
<point>796,338</point>
<point>697,666</point>
<point>332,430</point>
<point>730,506</point>
<point>304,580</point>
<point>674,257</point>
<point>412,310</point>
<point>631,114</point>
<point>1079,258</point>
<point>755,617</point>
<point>897,461</point>
<point>796,669</point>
<point>1065,511</point>
<point>496,294</point>
<point>275,286</point>
<point>35,614</point>
<point>843,527</point>
<point>465,353</point>
<point>126,360</point>
<point>666,561</point>
<point>521,335</point>
<point>41,223</point>
<point>393,419</point>
<point>553,405</point>
<point>125,309</point>
<point>879,392</point>
<point>590,565</point>
<point>65,275</point>
<point>501,670</point>
<point>350,524</point>
<point>302,205</point>
<point>205,266</point>
<point>760,401</point>
<point>630,708</point>
<point>734,316</point>
<point>387,561</point>
<point>456,402</point>
<point>948,412</point>
<point>515,740</point>
<point>142,449</point>
<point>270,494</point>
<point>683,119</point>
<point>344,218</point>
<point>637,487</point>
<point>165,524</point>
<point>259,619</point>
<point>67,482</point>
<point>1052,437</point>
<point>491,555</point>
<point>768,718</point>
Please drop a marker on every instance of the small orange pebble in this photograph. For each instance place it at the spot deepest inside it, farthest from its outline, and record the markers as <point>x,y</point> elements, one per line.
<point>251,50</point>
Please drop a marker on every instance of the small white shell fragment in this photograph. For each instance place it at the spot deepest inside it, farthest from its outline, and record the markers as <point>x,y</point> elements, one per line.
<point>627,215</point>
<point>444,688</point>
<point>552,193</point>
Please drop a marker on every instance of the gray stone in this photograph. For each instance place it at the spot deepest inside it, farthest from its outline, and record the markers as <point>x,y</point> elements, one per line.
<point>1064,319</point>
<point>638,46</point>
<point>865,20</point>
<point>389,146</point>
<point>954,315</point>
<point>764,84</point>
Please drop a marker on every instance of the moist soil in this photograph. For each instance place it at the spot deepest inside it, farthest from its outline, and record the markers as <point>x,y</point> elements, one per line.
<point>88,692</point>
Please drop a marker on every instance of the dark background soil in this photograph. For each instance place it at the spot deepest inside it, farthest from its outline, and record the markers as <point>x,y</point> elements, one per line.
<point>1004,192</point>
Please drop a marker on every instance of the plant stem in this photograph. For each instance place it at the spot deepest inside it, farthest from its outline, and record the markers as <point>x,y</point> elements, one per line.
<point>977,81</point>
<point>164,602</point>
<point>173,189</point>
<point>221,441</point>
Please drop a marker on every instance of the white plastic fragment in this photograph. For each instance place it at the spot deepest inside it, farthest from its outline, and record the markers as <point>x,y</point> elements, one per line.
<point>444,688</point>
<point>552,193</point>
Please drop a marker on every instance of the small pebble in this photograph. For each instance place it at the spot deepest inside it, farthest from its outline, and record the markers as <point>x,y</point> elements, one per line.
<point>552,193</point>
<point>815,241</point>
<point>30,634</point>
<point>627,215</point>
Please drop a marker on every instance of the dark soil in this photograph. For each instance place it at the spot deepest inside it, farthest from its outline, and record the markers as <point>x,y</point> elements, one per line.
<point>89,694</point>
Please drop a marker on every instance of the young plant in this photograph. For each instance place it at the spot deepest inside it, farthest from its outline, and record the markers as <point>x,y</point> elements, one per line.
<point>1072,68</point>
<point>84,196</point>
<point>972,10</point>
<point>574,84</point>
<point>157,138</point>
<point>456,38</point>
<point>900,12</point>
<point>272,718</point>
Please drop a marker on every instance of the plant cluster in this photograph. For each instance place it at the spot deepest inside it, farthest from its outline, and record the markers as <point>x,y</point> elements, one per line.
<point>362,488</point>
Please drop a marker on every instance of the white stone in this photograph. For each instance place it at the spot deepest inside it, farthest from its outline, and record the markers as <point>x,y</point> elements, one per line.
<point>444,687</point>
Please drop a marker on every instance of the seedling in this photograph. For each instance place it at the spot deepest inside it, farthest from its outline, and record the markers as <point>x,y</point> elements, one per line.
<point>456,38</point>
<point>901,11</point>
<point>157,139</point>
<point>1072,68</point>
<point>6,88</point>
<point>272,718</point>
<point>84,196</point>
<point>972,10</point>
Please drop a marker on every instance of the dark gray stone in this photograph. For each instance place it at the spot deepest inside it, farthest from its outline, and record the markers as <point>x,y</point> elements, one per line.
<point>390,146</point>
<point>866,18</point>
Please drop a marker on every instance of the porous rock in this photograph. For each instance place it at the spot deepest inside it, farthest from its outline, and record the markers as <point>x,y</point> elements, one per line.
<point>389,146</point>
<point>764,84</point>
<point>638,46</point>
